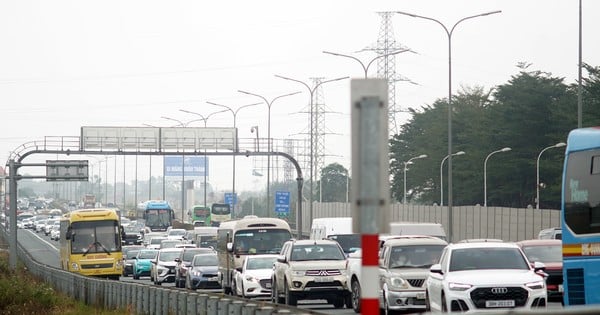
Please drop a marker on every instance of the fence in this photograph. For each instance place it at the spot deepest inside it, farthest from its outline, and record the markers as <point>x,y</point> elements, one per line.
<point>509,224</point>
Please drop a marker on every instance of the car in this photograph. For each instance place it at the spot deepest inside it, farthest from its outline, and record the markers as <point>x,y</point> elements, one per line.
<point>203,273</point>
<point>55,231</point>
<point>253,279</point>
<point>485,276</point>
<point>48,226</point>
<point>154,242</point>
<point>548,251</point>
<point>163,267</point>
<point>404,264</point>
<point>176,234</point>
<point>169,243</point>
<point>310,269</point>
<point>39,223</point>
<point>129,253</point>
<point>184,261</point>
<point>142,263</point>
<point>550,233</point>
<point>131,235</point>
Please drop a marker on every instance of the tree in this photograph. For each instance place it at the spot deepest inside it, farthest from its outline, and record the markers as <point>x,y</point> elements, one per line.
<point>334,183</point>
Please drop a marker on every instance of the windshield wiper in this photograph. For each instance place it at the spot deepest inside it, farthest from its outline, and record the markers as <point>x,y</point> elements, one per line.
<point>95,244</point>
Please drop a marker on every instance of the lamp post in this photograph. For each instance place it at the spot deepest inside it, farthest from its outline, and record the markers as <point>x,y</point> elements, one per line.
<point>236,149</point>
<point>366,68</point>
<point>422,156</point>
<point>311,92</point>
<point>449,34</point>
<point>182,171</point>
<point>269,104</point>
<point>442,174</point>
<point>485,173</point>
<point>205,120</point>
<point>537,171</point>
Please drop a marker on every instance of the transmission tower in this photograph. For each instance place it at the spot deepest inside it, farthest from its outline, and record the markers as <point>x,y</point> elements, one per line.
<point>386,66</point>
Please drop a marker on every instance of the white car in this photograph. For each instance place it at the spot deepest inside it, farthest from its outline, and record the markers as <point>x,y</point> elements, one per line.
<point>477,277</point>
<point>254,278</point>
<point>163,267</point>
<point>55,231</point>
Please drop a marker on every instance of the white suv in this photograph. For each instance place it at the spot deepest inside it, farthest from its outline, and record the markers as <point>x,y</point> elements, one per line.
<point>484,276</point>
<point>311,269</point>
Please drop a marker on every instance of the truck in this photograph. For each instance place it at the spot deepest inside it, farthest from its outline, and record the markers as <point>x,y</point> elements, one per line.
<point>337,229</point>
<point>418,228</point>
<point>89,201</point>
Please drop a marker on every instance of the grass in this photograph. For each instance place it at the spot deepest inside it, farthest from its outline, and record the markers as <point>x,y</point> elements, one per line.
<point>22,293</point>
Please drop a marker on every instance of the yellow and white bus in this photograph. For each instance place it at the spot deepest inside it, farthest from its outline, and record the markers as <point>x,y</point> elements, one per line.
<point>90,243</point>
<point>250,235</point>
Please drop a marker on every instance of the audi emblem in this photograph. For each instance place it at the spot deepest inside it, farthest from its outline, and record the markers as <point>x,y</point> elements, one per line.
<point>499,290</point>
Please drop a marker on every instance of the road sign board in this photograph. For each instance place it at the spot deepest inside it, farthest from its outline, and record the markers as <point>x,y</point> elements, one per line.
<point>66,170</point>
<point>282,202</point>
<point>231,199</point>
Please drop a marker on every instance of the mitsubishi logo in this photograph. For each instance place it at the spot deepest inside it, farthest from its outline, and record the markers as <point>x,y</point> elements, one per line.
<point>499,290</point>
<point>323,273</point>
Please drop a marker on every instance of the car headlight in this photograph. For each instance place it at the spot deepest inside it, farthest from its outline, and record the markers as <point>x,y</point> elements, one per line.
<point>459,286</point>
<point>74,266</point>
<point>535,285</point>
<point>196,273</point>
<point>250,278</point>
<point>161,269</point>
<point>298,273</point>
<point>397,283</point>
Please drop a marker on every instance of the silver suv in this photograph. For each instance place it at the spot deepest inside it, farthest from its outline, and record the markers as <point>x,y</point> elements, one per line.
<point>404,264</point>
<point>311,269</point>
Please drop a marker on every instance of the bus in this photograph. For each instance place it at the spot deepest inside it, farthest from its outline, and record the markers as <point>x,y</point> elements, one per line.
<point>158,215</point>
<point>201,215</point>
<point>250,235</point>
<point>580,217</point>
<point>219,212</point>
<point>90,243</point>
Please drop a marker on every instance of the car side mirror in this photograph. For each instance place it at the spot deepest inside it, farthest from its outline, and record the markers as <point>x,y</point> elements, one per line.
<point>436,268</point>
<point>281,259</point>
<point>177,259</point>
<point>239,269</point>
<point>538,266</point>
<point>230,247</point>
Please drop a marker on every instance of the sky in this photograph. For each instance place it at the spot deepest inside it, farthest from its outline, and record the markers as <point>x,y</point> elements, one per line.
<point>68,64</point>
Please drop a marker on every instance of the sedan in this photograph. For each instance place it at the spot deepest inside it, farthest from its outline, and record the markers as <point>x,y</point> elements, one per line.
<point>253,279</point>
<point>203,273</point>
<point>129,253</point>
<point>548,251</point>
<point>484,276</point>
<point>142,262</point>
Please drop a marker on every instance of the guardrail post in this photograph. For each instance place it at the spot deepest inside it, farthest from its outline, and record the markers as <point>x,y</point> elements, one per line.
<point>235,308</point>
<point>202,304</point>
<point>211,305</point>
<point>173,302</point>
<point>149,299</point>
<point>165,301</point>
<point>265,310</point>
<point>222,306</point>
<point>282,311</point>
<point>249,309</point>
<point>181,302</point>
<point>191,301</point>
<point>157,306</point>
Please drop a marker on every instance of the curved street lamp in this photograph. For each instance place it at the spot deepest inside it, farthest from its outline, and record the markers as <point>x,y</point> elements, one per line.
<point>269,146</point>
<point>537,171</point>
<point>449,34</point>
<point>311,92</point>
<point>236,149</point>
<point>422,156</point>
<point>442,175</point>
<point>366,68</point>
<point>485,173</point>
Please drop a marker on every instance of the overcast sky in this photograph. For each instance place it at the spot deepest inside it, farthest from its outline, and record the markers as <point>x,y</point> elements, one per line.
<point>67,64</point>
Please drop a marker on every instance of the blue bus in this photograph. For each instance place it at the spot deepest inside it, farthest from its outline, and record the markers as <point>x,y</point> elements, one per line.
<point>580,214</point>
<point>158,215</point>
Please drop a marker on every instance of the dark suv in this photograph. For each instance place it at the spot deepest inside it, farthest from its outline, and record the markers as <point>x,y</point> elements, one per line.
<point>184,261</point>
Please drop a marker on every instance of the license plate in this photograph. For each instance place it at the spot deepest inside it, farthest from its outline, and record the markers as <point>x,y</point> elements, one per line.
<point>502,303</point>
<point>560,288</point>
<point>268,285</point>
<point>213,278</point>
<point>323,279</point>
<point>420,295</point>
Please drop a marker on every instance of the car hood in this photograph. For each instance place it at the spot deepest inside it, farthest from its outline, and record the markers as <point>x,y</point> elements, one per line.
<point>167,263</point>
<point>409,272</point>
<point>493,277</point>
<point>205,269</point>
<point>260,273</point>
<point>318,264</point>
<point>142,262</point>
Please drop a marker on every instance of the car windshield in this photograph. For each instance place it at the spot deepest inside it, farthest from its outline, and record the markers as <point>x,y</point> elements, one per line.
<point>422,256</point>
<point>317,252</point>
<point>544,253</point>
<point>147,254</point>
<point>168,256</point>
<point>487,258</point>
<point>205,260</point>
<point>176,232</point>
<point>260,263</point>
<point>131,253</point>
<point>189,254</point>
<point>349,242</point>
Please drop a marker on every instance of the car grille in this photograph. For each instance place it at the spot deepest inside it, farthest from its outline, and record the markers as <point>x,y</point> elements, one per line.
<point>417,283</point>
<point>94,266</point>
<point>265,284</point>
<point>313,284</point>
<point>481,295</point>
<point>322,273</point>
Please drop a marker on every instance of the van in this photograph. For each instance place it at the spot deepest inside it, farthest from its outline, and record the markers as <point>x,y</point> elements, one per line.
<point>322,228</point>
<point>554,233</point>
<point>418,228</point>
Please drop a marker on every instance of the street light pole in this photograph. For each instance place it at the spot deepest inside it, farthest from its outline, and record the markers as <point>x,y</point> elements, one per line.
<point>537,171</point>
<point>205,120</point>
<point>449,34</point>
<point>311,92</point>
<point>236,149</point>
<point>182,172</point>
<point>422,156</point>
<point>485,173</point>
<point>366,68</point>
<point>269,104</point>
<point>442,174</point>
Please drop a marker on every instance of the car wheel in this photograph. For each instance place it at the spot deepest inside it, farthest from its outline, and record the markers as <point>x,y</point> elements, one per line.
<point>355,296</point>
<point>338,302</point>
<point>290,299</point>
<point>274,297</point>
<point>427,302</point>
<point>444,306</point>
<point>234,290</point>
<point>243,293</point>
<point>135,276</point>
<point>188,283</point>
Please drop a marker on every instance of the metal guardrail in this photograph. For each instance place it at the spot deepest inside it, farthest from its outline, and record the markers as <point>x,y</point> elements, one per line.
<point>146,299</point>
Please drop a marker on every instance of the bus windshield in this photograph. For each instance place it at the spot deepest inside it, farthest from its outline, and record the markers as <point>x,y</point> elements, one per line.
<point>158,218</point>
<point>581,205</point>
<point>95,237</point>
<point>260,241</point>
<point>221,209</point>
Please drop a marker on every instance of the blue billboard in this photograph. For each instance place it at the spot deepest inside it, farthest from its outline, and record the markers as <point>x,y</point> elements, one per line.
<point>282,202</point>
<point>193,166</point>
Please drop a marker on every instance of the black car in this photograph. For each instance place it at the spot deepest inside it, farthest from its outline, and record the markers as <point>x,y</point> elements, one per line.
<point>129,253</point>
<point>131,236</point>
